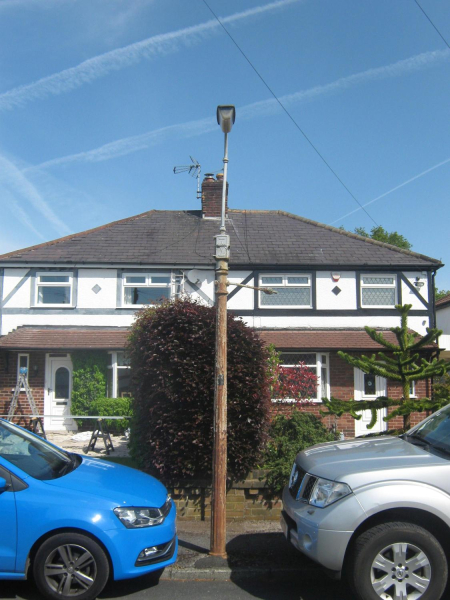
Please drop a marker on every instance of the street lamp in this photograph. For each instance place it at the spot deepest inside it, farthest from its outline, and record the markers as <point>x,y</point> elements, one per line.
<point>226,116</point>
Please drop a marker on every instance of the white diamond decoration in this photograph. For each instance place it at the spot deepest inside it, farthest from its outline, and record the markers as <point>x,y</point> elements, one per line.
<point>96,289</point>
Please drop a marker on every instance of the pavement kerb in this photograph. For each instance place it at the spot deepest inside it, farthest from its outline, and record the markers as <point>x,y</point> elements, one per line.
<point>226,574</point>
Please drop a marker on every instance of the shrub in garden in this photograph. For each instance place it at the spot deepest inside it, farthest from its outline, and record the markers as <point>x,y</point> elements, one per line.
<point>171,350</point>
<point>88,382</point>
<point>113,407</point>
<point>288,435</point>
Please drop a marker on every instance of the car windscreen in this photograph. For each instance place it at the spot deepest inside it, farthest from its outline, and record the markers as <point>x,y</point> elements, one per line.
<point>33,455</point>
<point>434,431</point>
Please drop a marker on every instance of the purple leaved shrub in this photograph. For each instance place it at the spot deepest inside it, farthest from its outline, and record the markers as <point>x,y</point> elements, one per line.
<point>171,350</point>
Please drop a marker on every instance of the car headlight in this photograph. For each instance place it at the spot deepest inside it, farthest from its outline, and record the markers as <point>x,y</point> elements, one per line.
<point>326,492</point>
<point>142,516</point>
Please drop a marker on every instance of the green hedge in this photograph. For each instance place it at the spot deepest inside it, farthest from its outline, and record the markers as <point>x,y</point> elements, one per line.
<point>113,407</point>
<point>288,435</point>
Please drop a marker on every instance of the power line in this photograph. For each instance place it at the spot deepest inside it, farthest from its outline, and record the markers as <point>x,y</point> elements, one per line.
<point>433,25</point>
<point>288,113</point>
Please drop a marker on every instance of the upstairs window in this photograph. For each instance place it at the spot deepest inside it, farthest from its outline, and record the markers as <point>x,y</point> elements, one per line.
<point>378,290</point>
<point>292,290</point>
<point>145,288</point>
<point>54,289</point>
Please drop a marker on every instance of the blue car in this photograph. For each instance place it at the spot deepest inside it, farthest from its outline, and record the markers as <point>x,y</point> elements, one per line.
<point>73,522</point>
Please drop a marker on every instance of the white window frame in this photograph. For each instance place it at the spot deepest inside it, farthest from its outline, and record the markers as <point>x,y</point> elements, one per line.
<point>323,387</point>
<point>23,354</point>
<point>115,367</point>
<point>285,284</point>
<point>379,286</point>
<point>148,284</point>
<point>68,284</point>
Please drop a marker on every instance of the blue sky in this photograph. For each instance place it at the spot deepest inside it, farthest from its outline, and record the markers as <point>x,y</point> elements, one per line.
<point>100,99</point>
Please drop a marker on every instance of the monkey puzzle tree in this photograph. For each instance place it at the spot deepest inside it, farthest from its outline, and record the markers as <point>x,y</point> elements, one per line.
<point>402,361</point>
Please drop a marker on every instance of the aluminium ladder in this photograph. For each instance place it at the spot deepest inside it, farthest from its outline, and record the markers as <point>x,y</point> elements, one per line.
<point>22,384</point>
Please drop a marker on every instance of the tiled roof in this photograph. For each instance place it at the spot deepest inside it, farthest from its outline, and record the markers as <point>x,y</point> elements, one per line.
<point>445,301</point>
<point>258,238</point>
<point>93,338</point>
<point>115,338</point>
<point>326,339</point>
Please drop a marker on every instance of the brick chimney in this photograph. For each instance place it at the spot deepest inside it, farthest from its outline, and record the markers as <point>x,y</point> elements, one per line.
<point>212,196</point>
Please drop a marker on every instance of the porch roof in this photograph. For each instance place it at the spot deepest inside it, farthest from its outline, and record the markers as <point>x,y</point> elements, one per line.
<point>71,338</point>
<point>327,339</point>
<point>115,338</point>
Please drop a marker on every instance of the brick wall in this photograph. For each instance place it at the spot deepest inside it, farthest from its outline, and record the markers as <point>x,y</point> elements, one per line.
<point>246,500</point>
<point>342,387</point>
<point>8,381</point>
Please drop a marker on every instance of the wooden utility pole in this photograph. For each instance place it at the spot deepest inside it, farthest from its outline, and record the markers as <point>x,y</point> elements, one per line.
<point>225,117</point>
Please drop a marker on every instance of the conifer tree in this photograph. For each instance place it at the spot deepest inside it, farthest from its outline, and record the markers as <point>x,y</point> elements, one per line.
<point>401,361</point>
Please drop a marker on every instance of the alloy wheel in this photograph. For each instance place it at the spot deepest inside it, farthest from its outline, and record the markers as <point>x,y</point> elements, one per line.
<point>70,570</point>
<point>401,571</point>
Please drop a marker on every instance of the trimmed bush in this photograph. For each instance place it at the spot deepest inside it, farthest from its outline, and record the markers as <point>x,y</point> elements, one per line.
<point>171,349</point>
<point>113,407</point>
<point>287,437</point>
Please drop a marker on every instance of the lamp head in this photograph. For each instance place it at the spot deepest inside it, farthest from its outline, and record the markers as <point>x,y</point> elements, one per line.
<point>226,115</point>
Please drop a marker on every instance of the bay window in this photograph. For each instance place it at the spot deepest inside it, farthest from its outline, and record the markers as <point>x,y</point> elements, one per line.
<point>315,362</point>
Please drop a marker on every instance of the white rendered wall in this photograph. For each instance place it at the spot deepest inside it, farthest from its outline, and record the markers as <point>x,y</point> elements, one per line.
<point>21,297</point>
<point>408,296</point>
<point>328,300</point>
<point>244,298</point>
<point>418,324</point>
<point>443,322</point>
<point>106,279</point>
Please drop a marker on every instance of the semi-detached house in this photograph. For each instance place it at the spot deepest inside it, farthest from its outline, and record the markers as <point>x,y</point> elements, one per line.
<point>81,293</point>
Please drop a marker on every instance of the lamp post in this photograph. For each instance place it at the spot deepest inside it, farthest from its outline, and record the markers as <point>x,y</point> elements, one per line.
<point>225,117</point>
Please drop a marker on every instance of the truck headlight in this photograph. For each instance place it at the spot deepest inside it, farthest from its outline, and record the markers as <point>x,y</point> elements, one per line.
<point>326,492</point>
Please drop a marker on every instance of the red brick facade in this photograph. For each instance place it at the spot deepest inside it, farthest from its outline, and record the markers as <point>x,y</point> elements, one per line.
<point>8,381</point>
<point>341,380</point>
<point>342,387</point>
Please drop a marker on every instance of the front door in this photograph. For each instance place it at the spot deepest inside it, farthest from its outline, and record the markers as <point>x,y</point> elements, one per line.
<point>59,390</point>
<point>369,387</point>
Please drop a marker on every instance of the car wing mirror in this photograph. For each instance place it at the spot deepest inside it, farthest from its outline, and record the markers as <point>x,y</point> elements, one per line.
<point>3,485</point>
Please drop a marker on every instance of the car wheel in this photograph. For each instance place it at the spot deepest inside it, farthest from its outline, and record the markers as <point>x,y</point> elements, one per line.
<point>398,561</point>
<point>70,565</point>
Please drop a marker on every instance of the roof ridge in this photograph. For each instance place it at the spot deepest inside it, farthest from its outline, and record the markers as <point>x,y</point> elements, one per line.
<point>74,235</point>
<point>346,233</point>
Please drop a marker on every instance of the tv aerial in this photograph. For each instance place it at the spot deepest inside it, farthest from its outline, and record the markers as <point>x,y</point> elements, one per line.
<point>194,170</point>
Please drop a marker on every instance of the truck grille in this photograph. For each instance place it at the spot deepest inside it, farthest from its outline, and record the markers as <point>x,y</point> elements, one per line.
<point>301,484</point>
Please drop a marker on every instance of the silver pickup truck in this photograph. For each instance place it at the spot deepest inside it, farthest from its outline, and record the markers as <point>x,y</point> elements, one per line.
<point>377,510</point>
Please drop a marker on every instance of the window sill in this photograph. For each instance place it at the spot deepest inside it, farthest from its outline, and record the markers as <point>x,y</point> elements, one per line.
<point>44,306</point>
<point>280,307</point>
<point>378,306</point>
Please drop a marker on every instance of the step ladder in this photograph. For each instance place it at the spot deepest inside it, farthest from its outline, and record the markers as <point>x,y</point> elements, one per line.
<point>22,384</point>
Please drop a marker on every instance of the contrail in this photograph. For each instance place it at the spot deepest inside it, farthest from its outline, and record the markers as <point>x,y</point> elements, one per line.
<point>120,58</point>
<point>401,67</point>
<point>397,187</point>
<point>17,184</point>
<point>142,141</point>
